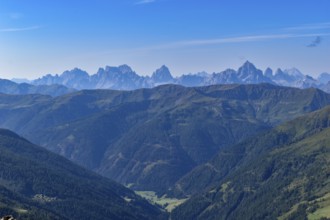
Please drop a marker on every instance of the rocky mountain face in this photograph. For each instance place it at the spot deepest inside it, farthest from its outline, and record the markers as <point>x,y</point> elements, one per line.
<point>124,78</point>
<point>162,76</point>
<point>75,78</point>
<point>150,138</point>
<point>249,74</point>
<point>324,78</point>
<point>293,78</point>
<point>119,78</point>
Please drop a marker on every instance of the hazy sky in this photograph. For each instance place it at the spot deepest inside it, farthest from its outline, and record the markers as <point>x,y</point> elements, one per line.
<point>50,36</point>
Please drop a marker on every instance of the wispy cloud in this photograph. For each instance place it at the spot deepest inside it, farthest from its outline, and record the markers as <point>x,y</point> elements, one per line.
<point>239,39</point>
<point>144,2</point>
<point>20,29</point>
<point>15,16</point>
<point>306,27</point>
<point>316,42</point>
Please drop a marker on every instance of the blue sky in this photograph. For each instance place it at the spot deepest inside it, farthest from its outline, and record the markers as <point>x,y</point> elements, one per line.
<point>50,36</point>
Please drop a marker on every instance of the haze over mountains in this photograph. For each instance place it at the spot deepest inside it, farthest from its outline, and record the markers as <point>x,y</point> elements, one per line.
<point>124,78</point>
<point>140,137</point>
<point>214,146</point>
<point>10,87</point>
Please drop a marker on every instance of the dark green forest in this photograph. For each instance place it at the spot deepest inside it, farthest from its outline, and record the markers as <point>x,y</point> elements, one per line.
<point>37,184</point>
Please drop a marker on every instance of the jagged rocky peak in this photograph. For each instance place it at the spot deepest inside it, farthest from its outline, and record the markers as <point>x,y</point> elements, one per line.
<point>294,72</point>
<point>125,68</point>
<point>100,70</point>
<point>226,73</point>
<point>162,75</point>
<point>124,78</point>
<point>279,71</point>
<point>248,71</point>
<point>110,69</point>
<point>247,67</point>
<point>324,78</point>
<point>113,69</point>
<point>282,77</point>
<point>290,77</point>
<point>229,71</point>
<point>202,74</point>
<point>20,80</point>
<point>47,79</point>
<point>268,72</point>
<point>76,72</point>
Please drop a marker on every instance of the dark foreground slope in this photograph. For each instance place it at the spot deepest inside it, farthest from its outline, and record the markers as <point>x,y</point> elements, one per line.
<point>150,138</point>
<point>284,173</point>
<point>36,184</point>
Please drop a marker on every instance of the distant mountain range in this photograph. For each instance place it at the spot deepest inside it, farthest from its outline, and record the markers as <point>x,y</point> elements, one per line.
<point>124,78</point>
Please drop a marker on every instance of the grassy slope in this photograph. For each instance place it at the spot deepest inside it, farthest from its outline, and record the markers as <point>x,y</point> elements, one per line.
<point>165,202</point>
<point>283,173</point>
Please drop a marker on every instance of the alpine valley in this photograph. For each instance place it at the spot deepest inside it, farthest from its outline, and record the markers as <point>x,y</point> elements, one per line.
<point>242,144</point>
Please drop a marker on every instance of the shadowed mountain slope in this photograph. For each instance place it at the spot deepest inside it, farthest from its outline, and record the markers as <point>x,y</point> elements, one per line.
<point>37,184</point>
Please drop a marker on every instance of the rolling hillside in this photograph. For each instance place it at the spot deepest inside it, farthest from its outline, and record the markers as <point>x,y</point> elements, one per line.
<point>150,138</point>
<point>282,174</point>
